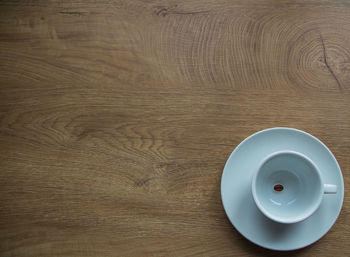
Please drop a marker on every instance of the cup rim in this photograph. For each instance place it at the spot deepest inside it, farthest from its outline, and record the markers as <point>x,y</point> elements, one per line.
<point>267,213</point>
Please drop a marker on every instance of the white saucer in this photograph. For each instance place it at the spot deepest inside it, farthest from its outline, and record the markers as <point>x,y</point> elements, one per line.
<point>238,200</point>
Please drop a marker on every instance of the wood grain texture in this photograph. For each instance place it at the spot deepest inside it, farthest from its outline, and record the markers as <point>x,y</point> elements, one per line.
<point>117,117</point>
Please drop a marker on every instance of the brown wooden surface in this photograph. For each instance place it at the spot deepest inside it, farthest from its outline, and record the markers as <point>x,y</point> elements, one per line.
<point>117,117</point>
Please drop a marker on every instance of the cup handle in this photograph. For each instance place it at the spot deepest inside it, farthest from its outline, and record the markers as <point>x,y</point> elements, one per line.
<point>330,189</point>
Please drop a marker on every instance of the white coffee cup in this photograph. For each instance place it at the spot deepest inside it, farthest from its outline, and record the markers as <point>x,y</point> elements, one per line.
<point>288,187</point>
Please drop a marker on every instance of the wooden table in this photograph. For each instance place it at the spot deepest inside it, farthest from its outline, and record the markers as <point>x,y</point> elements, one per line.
<point>117,117</point>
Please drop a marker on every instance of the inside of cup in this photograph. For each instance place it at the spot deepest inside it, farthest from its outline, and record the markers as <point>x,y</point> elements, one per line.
<point>288,187</point>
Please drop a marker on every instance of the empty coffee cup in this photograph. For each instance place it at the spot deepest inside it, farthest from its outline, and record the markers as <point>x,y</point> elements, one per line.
<point>288,187</point>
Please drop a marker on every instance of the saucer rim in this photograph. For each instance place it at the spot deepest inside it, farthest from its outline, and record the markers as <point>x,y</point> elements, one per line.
<point>297,131</point>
